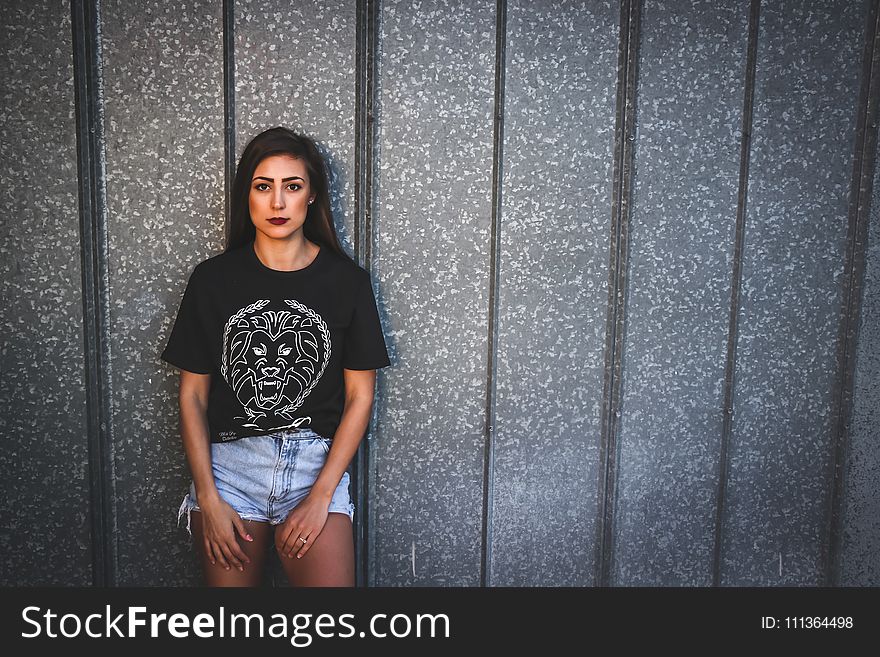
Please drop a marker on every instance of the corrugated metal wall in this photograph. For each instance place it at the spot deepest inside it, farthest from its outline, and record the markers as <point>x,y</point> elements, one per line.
<point>625,257</point>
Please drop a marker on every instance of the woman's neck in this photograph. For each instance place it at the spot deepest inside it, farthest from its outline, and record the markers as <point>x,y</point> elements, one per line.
<point>285,255</point>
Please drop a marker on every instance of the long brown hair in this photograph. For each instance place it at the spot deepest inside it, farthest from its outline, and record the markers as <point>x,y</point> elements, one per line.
<point>318,226</point>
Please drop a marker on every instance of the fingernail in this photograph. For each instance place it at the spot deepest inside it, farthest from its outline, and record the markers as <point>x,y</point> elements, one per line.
<point>248,537</point>
<point>299,556</point>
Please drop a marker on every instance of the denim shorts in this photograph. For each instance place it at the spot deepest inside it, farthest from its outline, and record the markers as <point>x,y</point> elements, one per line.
<point>264,477</point>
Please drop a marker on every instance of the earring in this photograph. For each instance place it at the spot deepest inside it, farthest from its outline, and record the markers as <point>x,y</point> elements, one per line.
<point>310,201</point>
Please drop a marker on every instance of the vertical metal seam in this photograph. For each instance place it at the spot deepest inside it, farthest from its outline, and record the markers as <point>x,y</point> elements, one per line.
<point>365,60</point>
<point>494,286</point>
<point>861,188</point>
<point>624,136</point>
<point>87,66</point>
<point>228,106</point>
<point>733,323</point>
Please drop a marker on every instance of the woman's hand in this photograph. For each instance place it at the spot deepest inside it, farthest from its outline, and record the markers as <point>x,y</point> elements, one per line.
<point>305,521</point>
<point>220,522</point>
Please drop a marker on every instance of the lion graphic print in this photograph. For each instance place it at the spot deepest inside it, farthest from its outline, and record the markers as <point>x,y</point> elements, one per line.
<point>272,358</point>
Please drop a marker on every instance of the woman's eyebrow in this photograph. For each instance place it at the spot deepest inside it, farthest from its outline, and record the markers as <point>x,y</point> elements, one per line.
<point>282,180</point>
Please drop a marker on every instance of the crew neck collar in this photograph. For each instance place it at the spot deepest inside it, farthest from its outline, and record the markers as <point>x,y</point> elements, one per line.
<point>309,268</point>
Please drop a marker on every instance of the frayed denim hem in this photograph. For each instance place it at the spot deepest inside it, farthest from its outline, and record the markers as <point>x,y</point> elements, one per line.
<point>349,511</point>
<point>186,507</point>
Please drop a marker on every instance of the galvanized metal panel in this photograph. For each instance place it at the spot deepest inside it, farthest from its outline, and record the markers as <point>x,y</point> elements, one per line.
<point>44,464</point>
<point>691,73</point>
<point>860,557</point>
<point>163,93</point>
<point>295,66</point>
<point>802,145</point>
<point>433,209</point>
<point>561,70</point>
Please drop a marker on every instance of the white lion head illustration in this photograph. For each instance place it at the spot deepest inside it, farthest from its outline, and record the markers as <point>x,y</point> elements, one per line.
<point>273,359</point>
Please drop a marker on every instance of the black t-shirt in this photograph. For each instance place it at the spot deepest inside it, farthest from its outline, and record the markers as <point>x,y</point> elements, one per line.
<point>276,342</point>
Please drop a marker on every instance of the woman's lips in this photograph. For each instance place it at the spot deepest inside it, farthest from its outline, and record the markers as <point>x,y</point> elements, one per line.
<point>278,222</point>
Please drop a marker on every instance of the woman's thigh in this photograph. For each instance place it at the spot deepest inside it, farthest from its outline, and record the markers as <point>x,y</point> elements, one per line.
<point>217,575</point>
<point>330,560</point>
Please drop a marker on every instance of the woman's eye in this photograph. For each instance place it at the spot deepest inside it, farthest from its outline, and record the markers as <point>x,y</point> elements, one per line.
<point>261,185</point>
<point>294,187</point>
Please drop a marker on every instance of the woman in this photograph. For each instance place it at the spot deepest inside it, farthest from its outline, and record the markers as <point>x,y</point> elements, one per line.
<point>277,340</point>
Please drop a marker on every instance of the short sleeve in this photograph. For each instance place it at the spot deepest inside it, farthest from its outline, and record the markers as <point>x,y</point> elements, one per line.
<point>187,347</point>
<point>364,343</point>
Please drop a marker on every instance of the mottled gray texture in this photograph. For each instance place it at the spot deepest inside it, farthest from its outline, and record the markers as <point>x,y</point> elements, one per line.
<point>44,463</point>
<point>163,105</point>
<point>163,92</point>
<point>433,208</point>
<point>860,553</point>
<point>295,66</point>
<point>796,223</point>
<point>560,73</point>
<point>682,229</point>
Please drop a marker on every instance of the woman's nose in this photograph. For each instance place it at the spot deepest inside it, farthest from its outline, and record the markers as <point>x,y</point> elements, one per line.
<point>278,200</point>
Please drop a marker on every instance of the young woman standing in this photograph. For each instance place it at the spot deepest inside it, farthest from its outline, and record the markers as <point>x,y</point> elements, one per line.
<point>277,340</point>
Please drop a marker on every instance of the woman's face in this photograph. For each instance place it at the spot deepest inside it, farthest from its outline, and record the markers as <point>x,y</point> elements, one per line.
<point>279,189</point>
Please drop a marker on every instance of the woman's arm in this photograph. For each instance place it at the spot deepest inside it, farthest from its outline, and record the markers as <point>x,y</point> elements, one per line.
<point>359,387</point>
<point>220,520</point>
<point>194,432</point>
<point>310,515</point>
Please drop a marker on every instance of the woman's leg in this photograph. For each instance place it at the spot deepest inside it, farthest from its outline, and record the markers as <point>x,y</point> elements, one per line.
<point>217,575</point>
<point>330,560</point>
